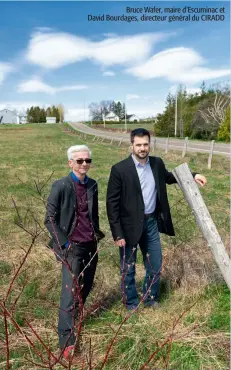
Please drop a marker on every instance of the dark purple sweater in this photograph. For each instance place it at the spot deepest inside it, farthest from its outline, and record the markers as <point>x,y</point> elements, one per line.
<point>83,231</point>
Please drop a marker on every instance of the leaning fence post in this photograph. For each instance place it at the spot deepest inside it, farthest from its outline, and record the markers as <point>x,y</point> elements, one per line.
<point>185,147</point>
<point>166,147</point>
<point>211,154</point>
<point>154,145</point>
<point>203,219</point>
<point>120,141</point>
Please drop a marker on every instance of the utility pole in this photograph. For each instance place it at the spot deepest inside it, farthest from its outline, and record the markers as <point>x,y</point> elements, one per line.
<point>125,115</point>
<point>176,114</point>
<point>84,117</point>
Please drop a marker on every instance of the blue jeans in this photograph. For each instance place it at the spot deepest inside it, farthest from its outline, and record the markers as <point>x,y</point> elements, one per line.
<point>152,257</point>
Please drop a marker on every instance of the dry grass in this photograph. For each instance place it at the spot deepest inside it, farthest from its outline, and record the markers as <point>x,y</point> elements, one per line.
<point>187,273</point>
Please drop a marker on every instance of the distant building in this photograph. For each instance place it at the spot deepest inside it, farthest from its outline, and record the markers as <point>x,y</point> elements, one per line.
<point>8,116</point>
<point>112,117</point>
<point>132,118</point>
<point>23,119</point>
<point>50,119</point>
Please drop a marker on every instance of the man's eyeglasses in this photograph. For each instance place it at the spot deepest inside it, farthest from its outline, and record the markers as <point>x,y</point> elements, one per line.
<point>81,160</point>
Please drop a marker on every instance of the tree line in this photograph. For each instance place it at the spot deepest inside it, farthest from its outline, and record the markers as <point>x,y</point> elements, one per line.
<point>99,110</point>
<point>204,115</point>
<point>38,115</point>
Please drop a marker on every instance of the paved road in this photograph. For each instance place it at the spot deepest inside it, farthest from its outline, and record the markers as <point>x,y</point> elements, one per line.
<point>177,144</point>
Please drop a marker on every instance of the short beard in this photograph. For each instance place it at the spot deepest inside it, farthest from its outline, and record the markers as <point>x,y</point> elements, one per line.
<point>140,157</point>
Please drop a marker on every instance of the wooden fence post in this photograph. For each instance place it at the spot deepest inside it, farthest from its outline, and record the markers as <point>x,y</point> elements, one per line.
<point>154,145</point>
<point>166,147</point>
<point>203,219</point>
<point>111,141</point>
<point>120,141</point>
<point>185,147</point>
<point>211,154</point>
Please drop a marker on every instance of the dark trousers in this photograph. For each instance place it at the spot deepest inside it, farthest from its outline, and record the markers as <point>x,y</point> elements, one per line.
<point>152,257</point>
<point>77,281</point>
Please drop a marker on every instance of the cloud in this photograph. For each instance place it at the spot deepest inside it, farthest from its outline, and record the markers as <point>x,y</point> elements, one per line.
<point>148,97</point>
<point>144,108</point>
<point>182,65</point>
<point>108,73</point>
<point>36,85</point>
<point>5,69</point>
<point>71,87</point>
<point>193,90</point>
<point>146,111</point>
<point>132,96</point>
<point>43,29</point>
<point>56,49</point>
<point>110,34</point>
<point>76,114</point>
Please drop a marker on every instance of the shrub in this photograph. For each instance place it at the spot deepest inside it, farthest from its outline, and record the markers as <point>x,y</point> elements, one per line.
<point>224,129</point>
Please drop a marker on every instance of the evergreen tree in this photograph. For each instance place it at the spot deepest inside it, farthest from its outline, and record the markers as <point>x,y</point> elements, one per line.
<point>118,110</point>
<point>36,114</point>
<point>42,116</point>
<point>123,111</point>
<point>29,115</point>
<point>48,112</point>
<point>203,88</point>
<point>113,106</point>
<point>165,122</point>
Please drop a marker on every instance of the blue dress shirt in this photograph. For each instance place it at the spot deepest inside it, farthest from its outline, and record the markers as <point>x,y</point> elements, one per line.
<point>148,185</point>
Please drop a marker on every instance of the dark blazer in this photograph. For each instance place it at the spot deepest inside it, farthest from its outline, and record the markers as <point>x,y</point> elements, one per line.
<point>61,212</point>
<point>125,205</point>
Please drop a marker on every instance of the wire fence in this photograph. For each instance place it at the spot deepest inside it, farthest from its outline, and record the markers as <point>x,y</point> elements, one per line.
<point>156,144</point>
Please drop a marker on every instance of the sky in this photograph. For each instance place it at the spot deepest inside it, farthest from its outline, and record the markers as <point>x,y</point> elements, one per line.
<point>54,52</point>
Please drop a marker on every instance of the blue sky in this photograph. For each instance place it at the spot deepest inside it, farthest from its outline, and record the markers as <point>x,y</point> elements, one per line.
<point>51,53</point>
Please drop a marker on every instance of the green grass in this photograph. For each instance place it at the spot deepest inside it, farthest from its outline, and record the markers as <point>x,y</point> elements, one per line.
<point>29,155</point>
<point>130,126</point>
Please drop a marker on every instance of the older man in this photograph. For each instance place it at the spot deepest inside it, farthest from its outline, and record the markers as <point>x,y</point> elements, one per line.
<point>73,222</point>
<point>138,209</point>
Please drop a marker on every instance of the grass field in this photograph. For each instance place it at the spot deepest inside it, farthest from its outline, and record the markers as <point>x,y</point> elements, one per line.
<point>191,283</point>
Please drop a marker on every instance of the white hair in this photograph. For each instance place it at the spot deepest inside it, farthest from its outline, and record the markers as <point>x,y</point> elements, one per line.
<point>77,148</point>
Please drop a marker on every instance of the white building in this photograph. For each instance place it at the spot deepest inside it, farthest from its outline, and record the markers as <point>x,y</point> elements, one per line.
<point>50,119</point>
<point>8,116</point>
<point>23,119</point>
<point>112,117</point>
<point>132,118</point>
